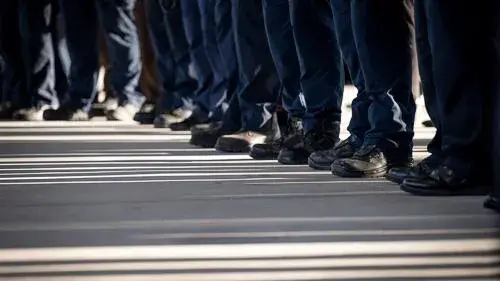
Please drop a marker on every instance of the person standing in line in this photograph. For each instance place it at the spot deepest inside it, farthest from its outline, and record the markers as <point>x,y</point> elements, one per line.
<point>453,55</point>
<point>384,111</point>
<point>206,135</point>
<point>210,97</point>
<point>82,20</point>
<point>251,116</point>
<point>42,66</point>
<point>290,148</point>
<point>308,59</point>
<point>172,63</point>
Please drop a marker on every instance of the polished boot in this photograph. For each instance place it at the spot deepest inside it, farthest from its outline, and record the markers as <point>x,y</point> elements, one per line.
<point>444,181</point>
<point>323,159</point>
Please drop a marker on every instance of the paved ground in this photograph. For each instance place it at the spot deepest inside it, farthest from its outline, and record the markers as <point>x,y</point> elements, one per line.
<point>109,201</point>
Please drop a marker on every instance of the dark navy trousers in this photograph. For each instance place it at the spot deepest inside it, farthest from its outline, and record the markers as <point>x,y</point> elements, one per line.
<point>172,56</point>
<point>199,24</point>
<point>259,83</point>
<point>282,46</point>
<point>83,20</point>
<point>226,42</point>
<point>453,40</point>
<point>383,32</point>
<point>320,60</point>
<point>359,124</point>
<point>224,36</point>
<point>37,64</point>
<point>14,87</point>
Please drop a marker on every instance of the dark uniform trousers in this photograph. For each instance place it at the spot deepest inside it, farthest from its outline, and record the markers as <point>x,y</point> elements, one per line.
<point>320,60</point>
<point>14,86</point>
<point>37,63</point>
<point>224,36</point>
<point>259,86</point>
<point>494,200</point>
<point>452,38</point>
<point>83,19</point>
<point>199,25</point>
<point>342,16</point>
<point>282,46</point>
<point>172,56</point>
<point>210,25</point>
<point>383,32</point>
<point>226,42</point>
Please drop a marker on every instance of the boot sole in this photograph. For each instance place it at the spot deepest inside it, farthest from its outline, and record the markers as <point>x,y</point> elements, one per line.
<point>230,149</point>
<point>468,191</point>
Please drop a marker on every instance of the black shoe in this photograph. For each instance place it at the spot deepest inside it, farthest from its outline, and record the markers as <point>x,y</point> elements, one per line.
<point>187,124</point>
<point>165,120</point>
<point>297,148</point>
<point>368,161</point>
<point>323,159</point>
<point>265,151</point>
<point>422,169</point>
<point>293,156</point>
<point>443,181</point>
<point>293,151</point>
<point>146,114</point>
<point>66,114</point>
<point>492,203</point>
<point>322,138</point>
<point>207,137</point>
<point>283,149</point>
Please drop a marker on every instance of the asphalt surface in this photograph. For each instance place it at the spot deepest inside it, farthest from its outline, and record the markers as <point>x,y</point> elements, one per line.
<point>110,201</point>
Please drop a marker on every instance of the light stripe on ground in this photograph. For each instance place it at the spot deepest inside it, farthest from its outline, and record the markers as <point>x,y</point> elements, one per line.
<point>139,181</point>
<point>145,167</point>
<point>134,171</point>
<point>126,158</point>
<point>86,138</point>
<point>93,129</point>
<point>242,251</point>
<point>331,263</point>
<point>105,163</point>
<point>27,124</point>
<point>212,180</point>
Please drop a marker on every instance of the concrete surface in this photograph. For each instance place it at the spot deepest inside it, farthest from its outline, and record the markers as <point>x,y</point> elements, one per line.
<point>111,201</point>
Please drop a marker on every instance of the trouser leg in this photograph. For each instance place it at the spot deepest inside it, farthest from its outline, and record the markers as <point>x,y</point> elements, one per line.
<point>322,70</point>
